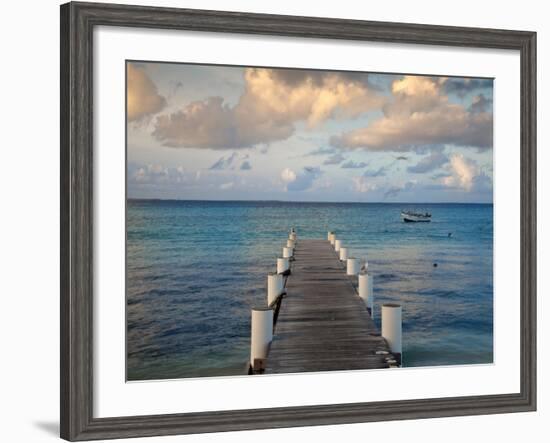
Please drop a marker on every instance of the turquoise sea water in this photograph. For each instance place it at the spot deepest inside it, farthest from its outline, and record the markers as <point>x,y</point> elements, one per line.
<point>194,269</point>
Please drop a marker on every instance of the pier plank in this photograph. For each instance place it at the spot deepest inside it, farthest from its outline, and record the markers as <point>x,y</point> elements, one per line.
<point>322,324</point>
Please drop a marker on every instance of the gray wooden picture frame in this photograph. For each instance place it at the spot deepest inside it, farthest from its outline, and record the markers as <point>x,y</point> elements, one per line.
<point>77,24</point>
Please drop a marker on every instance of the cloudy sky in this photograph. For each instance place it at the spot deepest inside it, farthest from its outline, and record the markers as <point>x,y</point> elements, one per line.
<point>236,133</point>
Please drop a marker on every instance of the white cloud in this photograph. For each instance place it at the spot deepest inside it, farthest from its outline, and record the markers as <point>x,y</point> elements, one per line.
<point>429,163</point>
<point>245,166</point>
<point>381,171</point>
<point>394,191</point>
<point>302,180</point>
<point>231,162</point>
<point>226,186</point>
<point>350,164</point>
<point>158,174</point>
<point>288,175</point>
<point>464,173</point>
<point>321,151</point>
<point>363,185</point>
<point>149,172</point>
<point>223,162</point>
<point>178,177</point>
<point>334,159</point>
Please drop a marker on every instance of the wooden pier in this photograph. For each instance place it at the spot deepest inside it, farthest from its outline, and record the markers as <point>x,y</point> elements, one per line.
<point>321,322</point>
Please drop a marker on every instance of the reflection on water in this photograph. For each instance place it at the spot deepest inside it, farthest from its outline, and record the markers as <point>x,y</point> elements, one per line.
<point>194,269</point>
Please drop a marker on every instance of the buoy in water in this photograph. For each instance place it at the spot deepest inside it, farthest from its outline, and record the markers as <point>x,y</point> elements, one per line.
<point>435,265</point>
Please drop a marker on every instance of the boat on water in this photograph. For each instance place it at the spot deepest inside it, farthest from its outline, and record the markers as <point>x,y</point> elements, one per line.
<point>414,217</point>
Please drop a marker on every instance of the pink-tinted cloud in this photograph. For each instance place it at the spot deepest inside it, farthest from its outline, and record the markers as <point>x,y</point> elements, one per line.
<point>421,115</point>
<point>143,99</point>
<point>274,101</point>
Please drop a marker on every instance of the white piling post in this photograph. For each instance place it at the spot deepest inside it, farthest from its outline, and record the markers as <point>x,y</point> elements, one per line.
<point>282,265</point>
<point>274,287</point>
<point>366,292</point>
<point>352,266</point>
<point>287,252</point>
<point>292,236</point>
<point>343,254</point>
<point>329,233</point>
<point>391,328</point>
<point>337,245</point>
<point>332,239</point>
<point>261,333</point>
<point>290,243</point>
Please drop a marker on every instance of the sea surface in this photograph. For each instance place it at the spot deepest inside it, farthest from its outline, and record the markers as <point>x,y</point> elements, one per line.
<point>195,268</point>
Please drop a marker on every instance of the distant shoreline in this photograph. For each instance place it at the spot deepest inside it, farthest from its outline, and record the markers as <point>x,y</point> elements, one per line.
<point>307,202</point>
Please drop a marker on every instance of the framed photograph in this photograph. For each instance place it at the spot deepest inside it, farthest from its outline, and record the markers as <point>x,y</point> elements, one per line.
<point>273,221</point>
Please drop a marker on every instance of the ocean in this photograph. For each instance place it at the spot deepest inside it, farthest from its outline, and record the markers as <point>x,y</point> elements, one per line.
<point>195,268</point>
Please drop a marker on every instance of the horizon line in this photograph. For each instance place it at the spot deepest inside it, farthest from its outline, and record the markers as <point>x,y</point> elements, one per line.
<point>301,201</point>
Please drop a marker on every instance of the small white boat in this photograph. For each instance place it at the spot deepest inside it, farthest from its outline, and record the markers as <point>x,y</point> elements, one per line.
<point>413,217</point>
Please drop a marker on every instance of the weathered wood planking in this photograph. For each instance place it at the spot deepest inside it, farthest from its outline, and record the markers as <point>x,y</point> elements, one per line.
<point>322,324</point>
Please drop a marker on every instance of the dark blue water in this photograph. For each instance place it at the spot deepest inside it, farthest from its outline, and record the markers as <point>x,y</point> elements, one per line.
<point>195,269</point>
